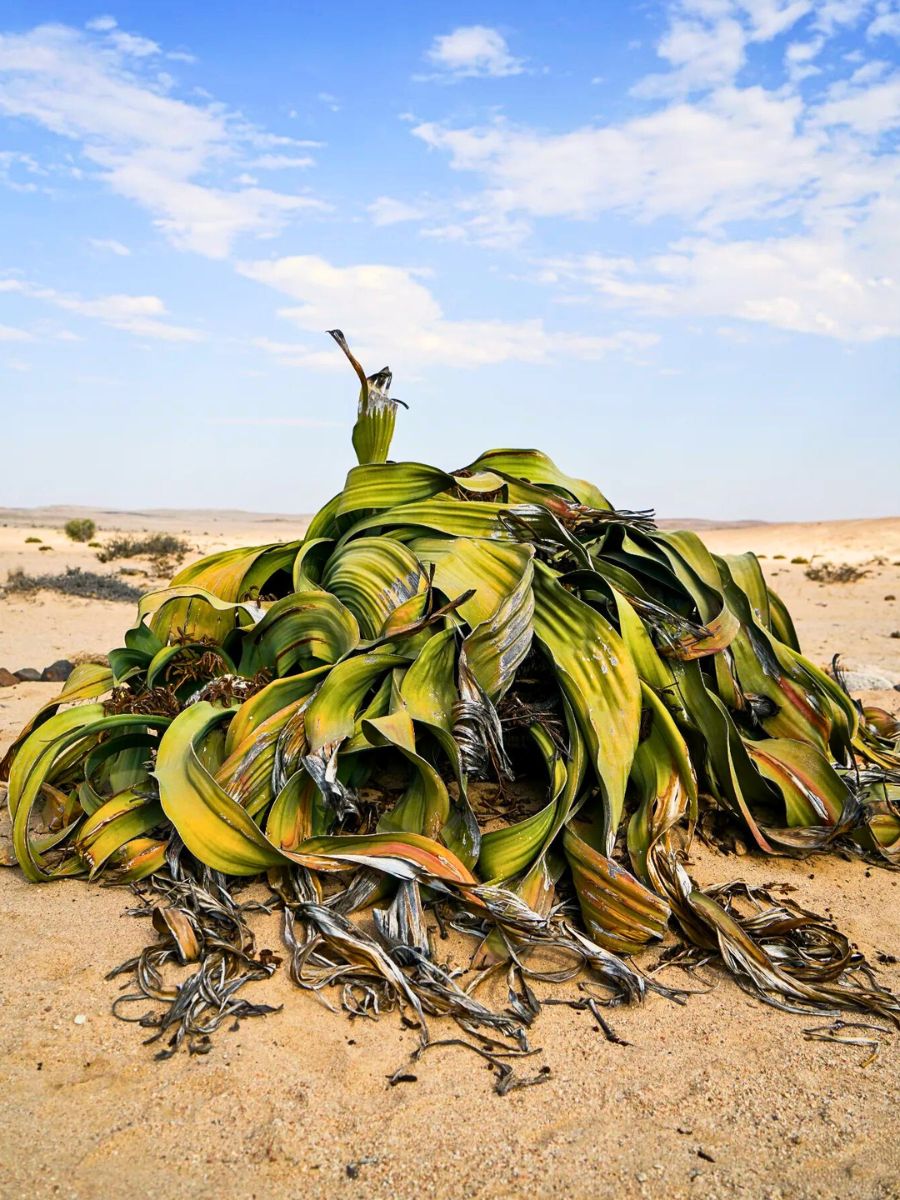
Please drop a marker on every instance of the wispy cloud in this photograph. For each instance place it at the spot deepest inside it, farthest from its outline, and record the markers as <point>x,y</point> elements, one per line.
<point>281,162</point>
<point>784,204</point>
<point>161,152</point>
<point>472,51</point>
<point>145,316</point>
<point>385,210</point>
<point>804,284</point>
<point>9,333</point>
<point>111,245</point>
<point>390,311</point>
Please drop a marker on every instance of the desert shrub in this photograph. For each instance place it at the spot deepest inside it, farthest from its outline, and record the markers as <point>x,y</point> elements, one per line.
<point>162,548</point>
<point>799,559</point>
<point>834,573</point>
<point>80,529</point>
<point>72,582</point>
<point>33,540</point>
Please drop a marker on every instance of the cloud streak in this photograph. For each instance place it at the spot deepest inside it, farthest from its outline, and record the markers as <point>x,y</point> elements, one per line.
<point>165,154</point>
<point>144,316</point>
<point>390,312</point>
<point>783,202</point>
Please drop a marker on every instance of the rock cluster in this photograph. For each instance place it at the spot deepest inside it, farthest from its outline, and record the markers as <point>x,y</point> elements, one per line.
<point>57,672</point>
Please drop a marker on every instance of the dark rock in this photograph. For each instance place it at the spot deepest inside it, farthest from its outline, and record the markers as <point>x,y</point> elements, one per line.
<point>57,672</point>
<point>28,675</point>
<point>7,679</point>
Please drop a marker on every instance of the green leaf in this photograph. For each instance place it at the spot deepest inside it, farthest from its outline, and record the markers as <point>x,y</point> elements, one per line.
<point>304,630</point>
<point>535,467</point>
<point>600,681</point>
<point>374,577</point>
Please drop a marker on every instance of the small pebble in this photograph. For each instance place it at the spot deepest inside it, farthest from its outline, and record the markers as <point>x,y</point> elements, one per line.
<point>80,1019</point>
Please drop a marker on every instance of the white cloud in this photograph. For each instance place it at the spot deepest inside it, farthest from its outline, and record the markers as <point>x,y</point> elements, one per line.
<point>886,22</point>
<point>385,210</point>
<point>281,162</point>
<point>159,151</point>
<point>473,51</point>
<point>814,173</point>
<point>9,334</point>
<point>770,18</point>
<point>388,311</point>
<point>14,164</point>
<point>145,316</point>
<point>737,156</point>
<point>131,44</point>
<point>111,245</point>
<point>831,15</point>
<point>820,285</point>
<point>701,53</point>
<point>872,110</point>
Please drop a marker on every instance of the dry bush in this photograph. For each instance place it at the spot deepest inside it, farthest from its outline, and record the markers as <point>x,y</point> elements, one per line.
<point>74,582</point>
<point>834,572</point>
<point>164,550</point>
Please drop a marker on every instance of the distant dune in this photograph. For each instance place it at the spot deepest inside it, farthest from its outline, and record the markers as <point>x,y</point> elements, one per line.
<point>194,520</point>
<point>169,520</point>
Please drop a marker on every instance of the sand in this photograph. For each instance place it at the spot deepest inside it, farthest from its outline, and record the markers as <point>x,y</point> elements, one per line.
<point>720,1098</point>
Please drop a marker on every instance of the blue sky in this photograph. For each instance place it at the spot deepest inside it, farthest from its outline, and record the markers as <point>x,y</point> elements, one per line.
<point>659,241</point>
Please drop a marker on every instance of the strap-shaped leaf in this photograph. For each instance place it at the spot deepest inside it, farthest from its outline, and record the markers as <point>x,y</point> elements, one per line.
<point>215,828</point>
<point>274,697</point>
<point>507,852</point>
<point>500,610</point>
<point>816,799</point>
<point>666,785</point>
<point>122,818</point>
<point>456,518</point>
<point>780,623</point>
<point>332,714</point>
<point>535,467</point>
<point>598,678</point>
<point>87,682</point>
<point>239,575</point>
<point>425,805</point>
<point>373,577</point>
<point>303,630</point>
<point>251,774</point>
<point>385,485</point>
<point>189,612</point>
<point>47,753</point>
<point>620,913</point>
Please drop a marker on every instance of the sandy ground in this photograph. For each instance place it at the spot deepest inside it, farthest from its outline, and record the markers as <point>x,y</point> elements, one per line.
<point>721,1098</point>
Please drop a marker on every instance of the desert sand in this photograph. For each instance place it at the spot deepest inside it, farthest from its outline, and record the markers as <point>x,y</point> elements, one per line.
<point>723,1097</point>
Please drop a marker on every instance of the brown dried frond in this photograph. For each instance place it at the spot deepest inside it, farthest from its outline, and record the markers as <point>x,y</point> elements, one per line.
<point>235,687</point>
<point>190,669</point>
<point>183,637</point>
<point>152,702</point>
